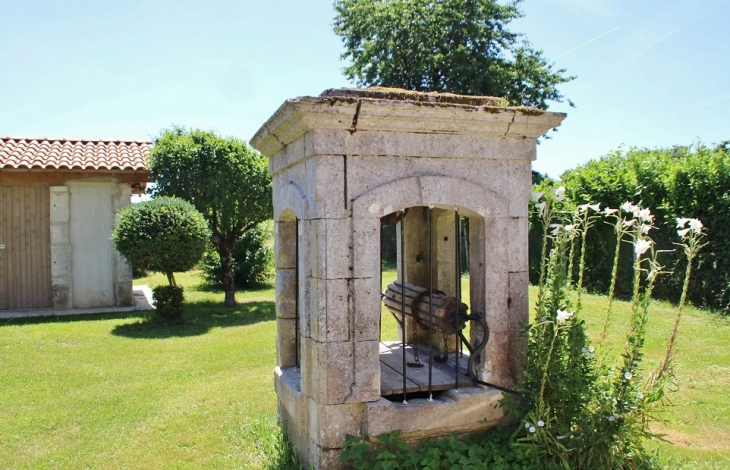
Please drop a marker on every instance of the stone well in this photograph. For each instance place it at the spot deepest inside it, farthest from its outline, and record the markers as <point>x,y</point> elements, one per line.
<point>342,161</point>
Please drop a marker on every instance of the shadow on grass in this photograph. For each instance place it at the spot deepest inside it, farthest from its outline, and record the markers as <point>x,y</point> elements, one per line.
<point>198,319</point>
<point>141,314</point>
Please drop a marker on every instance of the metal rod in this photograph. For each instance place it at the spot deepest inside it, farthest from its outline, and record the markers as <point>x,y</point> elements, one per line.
<point>380,317</point>
<point>457,286</point>
<point>296,291</point>
<point>403,300</point>
<point>430,302</point>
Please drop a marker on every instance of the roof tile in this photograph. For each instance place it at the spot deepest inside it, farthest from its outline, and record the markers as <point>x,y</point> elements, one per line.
<point>64,154</point>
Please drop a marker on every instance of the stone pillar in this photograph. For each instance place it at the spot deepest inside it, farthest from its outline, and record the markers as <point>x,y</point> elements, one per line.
<point>61,253</point>
<point>123,296</point>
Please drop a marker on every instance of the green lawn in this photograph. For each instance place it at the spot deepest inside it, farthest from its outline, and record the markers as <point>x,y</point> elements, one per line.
<point>122,391</point>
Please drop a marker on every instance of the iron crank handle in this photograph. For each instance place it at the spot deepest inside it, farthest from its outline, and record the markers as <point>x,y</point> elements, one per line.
<point>474,352</point>
<point>477,351</point>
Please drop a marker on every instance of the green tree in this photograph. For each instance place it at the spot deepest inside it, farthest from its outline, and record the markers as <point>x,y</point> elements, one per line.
<point>165,235</point>
<point>224,178</point>
<point>458,46</point>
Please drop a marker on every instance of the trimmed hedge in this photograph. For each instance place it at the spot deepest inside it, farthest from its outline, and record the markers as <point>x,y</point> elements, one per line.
<point>678,182</point>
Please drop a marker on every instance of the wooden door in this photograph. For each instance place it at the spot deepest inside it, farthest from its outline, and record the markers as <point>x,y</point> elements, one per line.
<point>25,247</point>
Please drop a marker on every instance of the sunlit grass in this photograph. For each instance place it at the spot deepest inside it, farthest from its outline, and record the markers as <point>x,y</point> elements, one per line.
<point>125,391</point>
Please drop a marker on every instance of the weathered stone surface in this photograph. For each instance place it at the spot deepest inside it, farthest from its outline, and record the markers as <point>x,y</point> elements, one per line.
<point>517,245</point>
<point>286,353</point>
<point>366,307</point>
<point>388,198</point>
<point>285,287</point>
<point>285,244</point>
<point>466,410</point>
<point>520,188</point>
<point>287,382</point>
<point>519,302</point>
<point>366,386</point>
<point>291,194</point>
<point>330,424</point>
<point>287,156</point>
<point>331,319</point>
<point>326,179</point>
<point>366,247</point>
<point>331,248</point>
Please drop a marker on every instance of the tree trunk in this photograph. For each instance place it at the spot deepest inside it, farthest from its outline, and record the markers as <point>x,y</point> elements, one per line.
<point>227,268</point>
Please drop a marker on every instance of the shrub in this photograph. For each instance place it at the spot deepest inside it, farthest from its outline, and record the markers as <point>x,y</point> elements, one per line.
<point>678,182</point>
<point>168,301</point>
<point>253,259</point>
<point>163,235</point>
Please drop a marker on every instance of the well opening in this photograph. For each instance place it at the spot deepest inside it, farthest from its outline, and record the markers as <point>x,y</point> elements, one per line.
<point>426,334</point>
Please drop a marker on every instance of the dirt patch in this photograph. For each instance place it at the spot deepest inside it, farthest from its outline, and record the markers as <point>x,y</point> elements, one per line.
<point>715,440</point>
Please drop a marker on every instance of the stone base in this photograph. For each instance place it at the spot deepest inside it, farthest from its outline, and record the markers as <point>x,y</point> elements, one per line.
<point>318,432</point>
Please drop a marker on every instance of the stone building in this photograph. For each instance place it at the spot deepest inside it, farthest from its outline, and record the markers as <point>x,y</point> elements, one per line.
<point>59,200</point>
<point>344,162</point>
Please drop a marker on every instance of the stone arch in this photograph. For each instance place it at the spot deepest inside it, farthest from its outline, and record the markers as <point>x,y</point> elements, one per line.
<point>489,238</point>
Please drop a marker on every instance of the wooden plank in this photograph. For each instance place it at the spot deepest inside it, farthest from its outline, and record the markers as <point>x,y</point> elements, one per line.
<point>3,263</point>
<point>27,248</point>
<point>391,379</point>
<point>443,375</point>
<point>45,233</point>
<point>16,297</point>
<point>32,242</point>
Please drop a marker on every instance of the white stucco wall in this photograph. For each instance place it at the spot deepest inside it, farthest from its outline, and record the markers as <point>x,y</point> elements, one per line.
<point>91,222</point>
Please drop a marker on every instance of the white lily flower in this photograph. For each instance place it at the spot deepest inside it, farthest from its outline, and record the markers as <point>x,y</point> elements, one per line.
<point>560,193</point>
<point>642,245</point>
<point>609,211</point>
<point>569,228</point>
<point>645,215</point>
<point>695,225</point>
<point>596,207</point>
<point>555,229</point>
<point>627,207</point>
<point>541,207</point>
<point>681,222</point>
<point>536,196</point>
<point>582,208</point>
<point>541,423</point>
<point>628,223</point>
<point>563,315</point>
<point>645,229</point>
<point>628,375</point>
<point>683,233</point>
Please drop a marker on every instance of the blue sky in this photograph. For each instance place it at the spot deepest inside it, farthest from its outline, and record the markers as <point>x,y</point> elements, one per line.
<point>651,73</point>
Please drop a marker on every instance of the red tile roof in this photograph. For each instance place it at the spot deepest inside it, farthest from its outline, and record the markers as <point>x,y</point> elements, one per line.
<point>68,154</point>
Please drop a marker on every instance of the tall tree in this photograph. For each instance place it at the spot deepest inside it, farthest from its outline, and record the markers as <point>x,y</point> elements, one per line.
<point>458,46</point>
<point>224,178</point>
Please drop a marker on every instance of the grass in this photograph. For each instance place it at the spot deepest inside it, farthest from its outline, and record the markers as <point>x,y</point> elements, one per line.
<point>126,391</point>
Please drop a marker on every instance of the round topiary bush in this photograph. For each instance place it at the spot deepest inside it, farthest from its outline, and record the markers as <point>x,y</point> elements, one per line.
<point>164,235</point>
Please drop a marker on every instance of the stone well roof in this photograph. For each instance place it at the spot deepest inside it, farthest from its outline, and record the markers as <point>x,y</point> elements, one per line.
<point>73,154</point>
